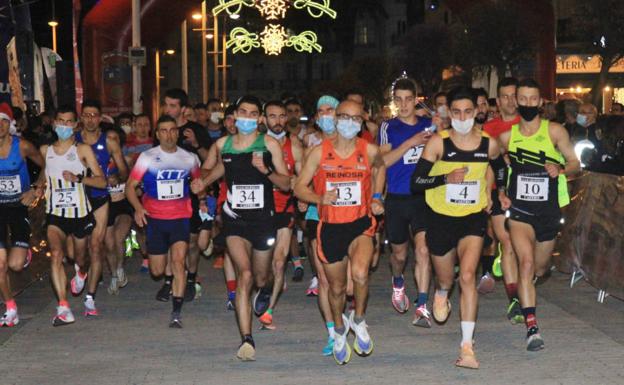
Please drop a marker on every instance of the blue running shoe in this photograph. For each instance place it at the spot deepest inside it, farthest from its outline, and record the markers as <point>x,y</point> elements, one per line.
<point>329,348</point>
<point>342,350</point>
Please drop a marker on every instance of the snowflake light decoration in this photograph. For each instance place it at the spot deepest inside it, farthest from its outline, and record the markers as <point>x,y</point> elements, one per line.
<point>272,9</point>
<point>273,39</point>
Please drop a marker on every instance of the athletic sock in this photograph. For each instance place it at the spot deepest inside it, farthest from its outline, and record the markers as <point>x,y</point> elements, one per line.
<point>512,291</point>
<point>340,331</point>
<point>529,317</point>
<point>168,280</point>
<point>296,262</point>
<point>398,281</point>
<point>249,339</point>
<point>177,304</point>
<point>330,329</point>
<point>64,303</point>
<point>467,328</point>
<point>486,264</point>
<point>11,305</point>
<point>422,299</point>
<point>190,277</point>
<point>91,295</point>
<point>442,292</point>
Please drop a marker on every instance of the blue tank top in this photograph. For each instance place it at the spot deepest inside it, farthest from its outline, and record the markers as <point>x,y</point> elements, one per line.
<point>103,158</point>
<point>395,132</point>
<point>14,179</point>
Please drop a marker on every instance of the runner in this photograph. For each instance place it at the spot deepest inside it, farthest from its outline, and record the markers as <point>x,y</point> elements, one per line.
<point>453,172</point>
<point>106,147</point>
<point>251,163</point>
<point>541,156</point>
<point>16,195</point>
<point>402,140</point>
<point>348,176</point>
<point>69,211</point>
<point>506,102</point>
<point>275,120</point>
<point>165,209</point>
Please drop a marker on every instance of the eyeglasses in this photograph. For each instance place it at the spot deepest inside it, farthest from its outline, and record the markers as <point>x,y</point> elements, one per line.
<point>356,118</point>
<point>91,116</point>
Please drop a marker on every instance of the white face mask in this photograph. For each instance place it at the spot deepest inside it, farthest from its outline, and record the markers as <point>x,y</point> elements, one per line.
<point>462,126</point>
<point>442,111</point>
<point>126,128</point>
<point>216,116</point>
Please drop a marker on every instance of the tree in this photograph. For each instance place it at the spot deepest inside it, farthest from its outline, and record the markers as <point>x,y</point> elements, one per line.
<point>599,29</point>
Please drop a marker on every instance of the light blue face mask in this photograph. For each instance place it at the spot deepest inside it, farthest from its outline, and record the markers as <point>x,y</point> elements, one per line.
<point>347,128</point>
<point>246,126</point>
<point>63,132</point>
<point>581,119</point>
<point>327,124</point>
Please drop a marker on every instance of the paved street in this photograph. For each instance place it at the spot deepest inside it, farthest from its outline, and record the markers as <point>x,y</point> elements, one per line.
<point>130,343</point>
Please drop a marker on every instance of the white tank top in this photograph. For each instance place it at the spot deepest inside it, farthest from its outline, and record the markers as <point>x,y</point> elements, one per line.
<point>63,198</point>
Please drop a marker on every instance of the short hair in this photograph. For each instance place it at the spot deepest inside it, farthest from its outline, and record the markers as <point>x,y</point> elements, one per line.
<point>528,83</point>
<point>178,94</point>
<point>142,115</point>
<point>617,104</point>
<point>405,84</point>
<point>200,106</point>
<point>92,103</point>
<point>212,100</point>
<point>480,92</point>
<point>461,92</point>
<point>492,102</point>
<point>506,82</point>
<point>229,110</point>
<point>249,99</point>
<point>165,119</point>
<point>293,102</point>
<point>65,109</point>
<point>124,115</point>
<point>354,91</point>
<point>273,103</point>
<point>438,94</point>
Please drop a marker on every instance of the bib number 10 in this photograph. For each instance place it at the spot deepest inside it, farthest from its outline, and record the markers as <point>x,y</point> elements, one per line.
<point>532,189</point>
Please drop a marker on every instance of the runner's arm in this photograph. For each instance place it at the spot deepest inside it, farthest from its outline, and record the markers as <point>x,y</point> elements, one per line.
<point>303,191</point>
<point>114,148</point>
<point>87,156</point>
<point>131,195</point>
<point>561,140</point>
<point>378,168</point>
<point>29,151</point>
<point>498,165</point>
<point>279,177</point>
<point>421,180</point>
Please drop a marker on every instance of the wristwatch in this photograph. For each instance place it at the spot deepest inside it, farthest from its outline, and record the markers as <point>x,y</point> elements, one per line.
<point>80,178</point>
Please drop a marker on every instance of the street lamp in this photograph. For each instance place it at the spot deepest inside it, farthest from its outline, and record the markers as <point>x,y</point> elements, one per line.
<point>196,16</point>
<point>170,51</point>
<point>209,36</point>
<point>53,24</point>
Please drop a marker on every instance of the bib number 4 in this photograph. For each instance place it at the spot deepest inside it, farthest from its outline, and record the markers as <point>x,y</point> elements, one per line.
<point>466,193</point>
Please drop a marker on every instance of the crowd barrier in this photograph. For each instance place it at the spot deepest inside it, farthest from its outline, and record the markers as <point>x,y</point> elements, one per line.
<point>591,245</point>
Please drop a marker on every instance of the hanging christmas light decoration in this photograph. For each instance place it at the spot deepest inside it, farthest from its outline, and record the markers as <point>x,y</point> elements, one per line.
<point>316,8</point>
<point>241,40</point>
<point>304,42</point>
<point>273,39</point>
<point>272,9</point>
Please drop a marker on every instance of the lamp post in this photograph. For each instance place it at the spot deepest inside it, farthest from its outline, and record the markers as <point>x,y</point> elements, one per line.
<point>53,24</point>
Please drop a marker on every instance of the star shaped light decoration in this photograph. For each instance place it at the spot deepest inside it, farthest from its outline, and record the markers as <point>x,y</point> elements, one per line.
<point>272,9</point>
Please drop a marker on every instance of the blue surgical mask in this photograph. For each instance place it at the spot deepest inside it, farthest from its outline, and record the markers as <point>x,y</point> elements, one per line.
<point>347,128</point>
<point>276,136</point>
<point>246,126</point>
<point>581,119</point>
<point>64,132</point>
<point>327,124</point>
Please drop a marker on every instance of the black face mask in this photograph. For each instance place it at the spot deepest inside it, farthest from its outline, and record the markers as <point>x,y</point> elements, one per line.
<point>528,113</point>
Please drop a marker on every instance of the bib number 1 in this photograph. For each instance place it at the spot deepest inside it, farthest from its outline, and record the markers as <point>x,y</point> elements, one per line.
<point>170,189</point>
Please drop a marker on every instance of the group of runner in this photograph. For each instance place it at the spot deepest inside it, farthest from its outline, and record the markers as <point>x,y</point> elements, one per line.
<point>447,185</point>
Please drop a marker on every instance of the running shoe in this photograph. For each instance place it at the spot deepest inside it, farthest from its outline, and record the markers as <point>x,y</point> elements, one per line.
<point>342,350</point>
<point>399,299</point>
<point>298,274</point>
<point>122,278</point>
<point>90,309</point>
<point>535,342</point>
<point>176,321</point>
<point>218,262</point>
<point>145,266</point>
<point>362,344</point>
<point>422,317</point>
<point>229,305</point>
<point>313,288</point>
<point>64,316</point>
<point>208,252</point>
<point>133,240</point>
<point>78,282</point>
<point>266,318</point>
<point>113,288</point>
<point>261,301</point>
<point>128,247</point>
<point>497,269</point>
<point>189,292</point>
<point>246,352</point>
<point>441,308</point>
<point>514,312</point>
<point>486,284</point>
<point>467,359</point>
<point>28,259</point>
<point>164,294</point>
<point>329,348</point>
<point>10,318</point>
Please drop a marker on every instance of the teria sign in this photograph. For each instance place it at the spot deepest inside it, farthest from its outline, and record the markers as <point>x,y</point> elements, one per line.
<point>584,64</point>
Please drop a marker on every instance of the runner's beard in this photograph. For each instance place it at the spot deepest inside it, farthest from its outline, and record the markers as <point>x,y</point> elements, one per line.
<point>481,118</point>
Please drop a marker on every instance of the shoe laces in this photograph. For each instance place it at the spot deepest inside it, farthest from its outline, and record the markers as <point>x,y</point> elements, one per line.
<point>424,312</point>
<point>398,293</point>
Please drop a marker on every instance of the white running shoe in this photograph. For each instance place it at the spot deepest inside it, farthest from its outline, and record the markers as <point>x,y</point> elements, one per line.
<point>90,309</point>
<point>64,316</point>
<point>10,318</point>
<point>113,288</point>
<point>78,282</point>
<point>122,278</point>
<point>363,344</point>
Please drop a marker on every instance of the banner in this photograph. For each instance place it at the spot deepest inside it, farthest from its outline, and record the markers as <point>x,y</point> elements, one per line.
<point>50,58</point>
<point>6,33</point>
<point>592,239</point>
<point>77,78</point>
<point>17,96</point>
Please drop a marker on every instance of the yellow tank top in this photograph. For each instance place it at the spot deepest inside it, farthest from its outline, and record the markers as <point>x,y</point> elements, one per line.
<point>468,197</point>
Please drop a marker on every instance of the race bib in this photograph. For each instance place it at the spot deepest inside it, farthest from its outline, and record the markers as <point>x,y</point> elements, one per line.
<point>466,193</point>
<point>170,189</point>
<point>65,198</point>
<point>412,155</point>
<point>532,189</point>
<point>349,193</point>
<point>247,196</point>
<point>10,185</point>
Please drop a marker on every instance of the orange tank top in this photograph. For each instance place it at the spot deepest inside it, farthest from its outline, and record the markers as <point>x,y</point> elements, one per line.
<point>283,200</point>
<point>351,177</point>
